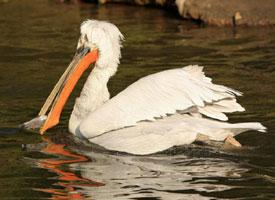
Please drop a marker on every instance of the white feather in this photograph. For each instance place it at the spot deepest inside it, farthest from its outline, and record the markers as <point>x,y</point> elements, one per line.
<point>156,96</point>
<point>107,38</point>
<point>148,138</point>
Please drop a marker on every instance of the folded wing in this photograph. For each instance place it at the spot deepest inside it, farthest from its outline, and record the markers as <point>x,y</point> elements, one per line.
<point>158,95</point>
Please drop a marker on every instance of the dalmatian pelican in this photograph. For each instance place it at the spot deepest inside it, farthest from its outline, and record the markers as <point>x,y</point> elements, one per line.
<point>169,108</point>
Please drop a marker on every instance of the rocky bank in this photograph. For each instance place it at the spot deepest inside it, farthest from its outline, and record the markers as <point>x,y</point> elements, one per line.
<point>216,12</point>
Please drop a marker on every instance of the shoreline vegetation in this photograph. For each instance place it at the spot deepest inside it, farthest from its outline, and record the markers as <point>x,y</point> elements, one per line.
<point>214,12</point>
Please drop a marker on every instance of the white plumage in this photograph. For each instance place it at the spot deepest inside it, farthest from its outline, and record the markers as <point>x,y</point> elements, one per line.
<point>152,137</point>
<point>156,112</point>
<point>159,94</point>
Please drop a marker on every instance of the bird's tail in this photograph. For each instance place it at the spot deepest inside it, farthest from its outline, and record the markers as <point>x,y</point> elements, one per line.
<point>242,127</point>
<point>219,131</point>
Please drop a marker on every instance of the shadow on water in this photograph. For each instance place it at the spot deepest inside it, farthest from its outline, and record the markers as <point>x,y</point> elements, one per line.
<point>37,42</point>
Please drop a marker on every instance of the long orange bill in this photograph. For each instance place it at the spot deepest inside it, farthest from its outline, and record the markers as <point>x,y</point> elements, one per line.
<point>67,87</point>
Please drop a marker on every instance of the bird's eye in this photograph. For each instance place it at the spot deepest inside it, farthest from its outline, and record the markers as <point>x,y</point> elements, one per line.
<point>85,38</point>
<point>79,49</point>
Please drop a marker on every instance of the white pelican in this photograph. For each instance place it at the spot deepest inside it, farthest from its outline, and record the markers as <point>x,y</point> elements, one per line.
<point>159,111</point>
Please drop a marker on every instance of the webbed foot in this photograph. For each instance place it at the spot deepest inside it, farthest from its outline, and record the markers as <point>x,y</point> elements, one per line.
<point>232,141</point>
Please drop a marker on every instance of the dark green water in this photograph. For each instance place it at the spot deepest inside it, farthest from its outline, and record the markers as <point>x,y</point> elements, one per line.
<point>37,41</point>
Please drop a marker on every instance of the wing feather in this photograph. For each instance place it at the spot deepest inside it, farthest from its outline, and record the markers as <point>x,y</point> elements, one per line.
<point>160,94</point>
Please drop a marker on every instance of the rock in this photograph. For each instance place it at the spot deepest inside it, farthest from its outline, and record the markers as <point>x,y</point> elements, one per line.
<point>229,12</point>
<point>216,12</point>
<point>162,3</point>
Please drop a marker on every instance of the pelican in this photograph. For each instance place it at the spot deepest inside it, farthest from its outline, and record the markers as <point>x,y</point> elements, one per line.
<point>169,108</point>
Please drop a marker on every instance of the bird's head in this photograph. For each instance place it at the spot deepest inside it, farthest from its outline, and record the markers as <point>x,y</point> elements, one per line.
<point>103,37</point>
<point>99,44</point>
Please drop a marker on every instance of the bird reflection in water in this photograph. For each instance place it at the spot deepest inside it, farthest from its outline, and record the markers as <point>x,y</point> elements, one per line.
<point>195,172</point>
<point>67,179</point>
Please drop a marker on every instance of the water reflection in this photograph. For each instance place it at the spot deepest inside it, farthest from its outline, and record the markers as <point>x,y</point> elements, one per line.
<point>186,172</point>
<point>68,180</point>
<point>170,175</point>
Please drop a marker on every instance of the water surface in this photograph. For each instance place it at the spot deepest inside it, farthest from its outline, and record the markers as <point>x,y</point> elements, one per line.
<point>38,39</point>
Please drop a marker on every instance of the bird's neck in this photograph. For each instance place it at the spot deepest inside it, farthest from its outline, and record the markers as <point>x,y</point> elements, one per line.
<point>92,96</point>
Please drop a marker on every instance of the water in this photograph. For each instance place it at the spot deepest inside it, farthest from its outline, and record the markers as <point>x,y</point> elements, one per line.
<point>38,40</point>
